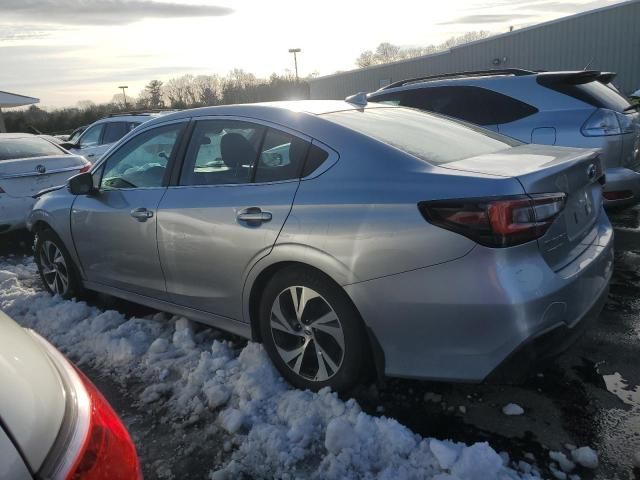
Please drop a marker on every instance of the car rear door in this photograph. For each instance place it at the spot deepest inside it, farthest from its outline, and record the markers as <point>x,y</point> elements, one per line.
<point>235,191</point>
<point>114,229</point>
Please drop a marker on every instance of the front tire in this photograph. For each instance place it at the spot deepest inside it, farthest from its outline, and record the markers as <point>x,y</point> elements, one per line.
<point>312,331</point>
<point>55,266</point>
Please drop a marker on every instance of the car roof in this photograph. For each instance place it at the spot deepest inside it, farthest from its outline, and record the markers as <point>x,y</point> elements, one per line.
<point>268,110</point>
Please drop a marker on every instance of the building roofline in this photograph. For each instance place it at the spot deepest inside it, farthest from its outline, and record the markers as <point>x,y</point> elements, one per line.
<point>482,40</point>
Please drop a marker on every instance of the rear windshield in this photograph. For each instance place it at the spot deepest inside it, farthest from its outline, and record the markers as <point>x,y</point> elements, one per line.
<point>430,137</point>
<point>593,93</point>
<point>11,149</point>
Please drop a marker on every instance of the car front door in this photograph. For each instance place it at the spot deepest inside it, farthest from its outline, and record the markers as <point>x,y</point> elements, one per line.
<point>234,194</point>
<point>114,228</point>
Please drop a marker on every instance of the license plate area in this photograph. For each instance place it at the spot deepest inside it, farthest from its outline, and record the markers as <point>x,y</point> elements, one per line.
<point>579,212</point>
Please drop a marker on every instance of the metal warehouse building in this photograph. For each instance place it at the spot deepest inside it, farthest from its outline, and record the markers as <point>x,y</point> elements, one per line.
<point>606,39</point>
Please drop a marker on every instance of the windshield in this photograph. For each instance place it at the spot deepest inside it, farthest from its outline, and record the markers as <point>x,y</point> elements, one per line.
<point>430,137</point>
<point>27,147</point>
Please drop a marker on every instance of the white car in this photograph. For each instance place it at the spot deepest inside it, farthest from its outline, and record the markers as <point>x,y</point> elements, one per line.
<point>54,423</point>
<point>100,135</point>
<point>29,164</point>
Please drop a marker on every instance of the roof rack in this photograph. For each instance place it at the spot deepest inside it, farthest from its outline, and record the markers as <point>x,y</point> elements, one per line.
<point>475,73</point>
<point>141,112</point>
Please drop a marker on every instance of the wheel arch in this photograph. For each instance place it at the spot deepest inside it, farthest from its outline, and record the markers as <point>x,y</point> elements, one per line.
<point>269,266</point>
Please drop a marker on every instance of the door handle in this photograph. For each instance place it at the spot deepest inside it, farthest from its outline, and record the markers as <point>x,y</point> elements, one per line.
<point>141,214</point>
<point>254,215</point>
<point>91,155</point>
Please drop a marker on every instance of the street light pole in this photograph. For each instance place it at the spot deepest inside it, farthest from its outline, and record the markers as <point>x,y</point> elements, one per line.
<point>295,52</point>
<point>124,95</point>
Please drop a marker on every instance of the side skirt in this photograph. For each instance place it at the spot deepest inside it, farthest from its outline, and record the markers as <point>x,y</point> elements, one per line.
<point>223,323</point>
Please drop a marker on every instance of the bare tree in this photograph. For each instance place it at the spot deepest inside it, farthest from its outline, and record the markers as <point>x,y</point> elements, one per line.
<point>207,89</point>
<point>387,52</point>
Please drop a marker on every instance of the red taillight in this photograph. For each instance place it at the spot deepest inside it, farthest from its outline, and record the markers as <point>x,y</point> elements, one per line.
<point>618,195</point>
<point>86,168</point>
<point>496,222</point>
<point>93,444</point>
<point>108,452</point>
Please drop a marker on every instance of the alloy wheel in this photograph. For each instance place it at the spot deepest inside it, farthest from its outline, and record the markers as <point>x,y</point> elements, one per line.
<point>54,268</point>
<point>307,333</point>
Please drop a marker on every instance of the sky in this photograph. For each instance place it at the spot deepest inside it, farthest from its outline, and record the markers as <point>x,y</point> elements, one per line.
<point>66,51</point>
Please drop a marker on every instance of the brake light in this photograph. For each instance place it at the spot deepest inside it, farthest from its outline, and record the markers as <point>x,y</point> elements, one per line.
<point>108,452</point>
<point>618,195</point>
<point>496,222</point>
<point>86,168</point>
<point>93,444</point>
<point>605,122</point>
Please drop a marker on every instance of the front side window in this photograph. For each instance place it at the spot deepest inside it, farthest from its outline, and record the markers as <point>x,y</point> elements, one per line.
<point>143,160</point>
<point>91,137</point>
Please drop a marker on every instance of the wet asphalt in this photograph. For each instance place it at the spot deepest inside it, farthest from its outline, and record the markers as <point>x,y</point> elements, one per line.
<point>590,395</point>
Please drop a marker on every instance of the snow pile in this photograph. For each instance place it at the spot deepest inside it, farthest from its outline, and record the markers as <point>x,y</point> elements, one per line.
<point>585,456</point>
<point>512,409</point>
<point>271,430</point>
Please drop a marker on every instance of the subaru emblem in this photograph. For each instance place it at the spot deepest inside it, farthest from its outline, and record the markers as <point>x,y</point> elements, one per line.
<point>41,169</point>
<point>591,171</point>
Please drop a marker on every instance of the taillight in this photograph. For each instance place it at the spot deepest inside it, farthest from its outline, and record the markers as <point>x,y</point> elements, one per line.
<point>86,168</point>
<point>496,222</point>
<point>618,195</point>
<point>93,444</point>
<point>605,122</point>
<point>108,452</point>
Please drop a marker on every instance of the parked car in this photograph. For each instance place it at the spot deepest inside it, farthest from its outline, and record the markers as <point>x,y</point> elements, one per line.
<point>348,238</point>
<point>54,423</point>
<point>573,109</point>
<point>73,136</point>
<point>28,164</point>
<point>96,139</point>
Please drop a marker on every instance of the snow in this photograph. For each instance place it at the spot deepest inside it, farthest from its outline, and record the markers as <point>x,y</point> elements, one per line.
<point>512,409</point>
<point>565,464</point>
<point>585,456</point>
<point>266,428</point>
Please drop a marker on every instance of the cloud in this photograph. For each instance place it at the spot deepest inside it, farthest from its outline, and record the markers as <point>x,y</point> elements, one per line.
<point>103,12</point>
<point>9,33</point>
<point>487,18</point>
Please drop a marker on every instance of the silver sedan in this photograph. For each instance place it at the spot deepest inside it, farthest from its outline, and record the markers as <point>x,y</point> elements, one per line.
<point>351,240</point>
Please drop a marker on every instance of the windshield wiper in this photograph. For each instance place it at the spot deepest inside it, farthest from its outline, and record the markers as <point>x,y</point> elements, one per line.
<point>631,107</point>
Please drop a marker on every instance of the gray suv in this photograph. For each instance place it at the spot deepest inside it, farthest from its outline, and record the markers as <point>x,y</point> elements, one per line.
<point>572,109</point>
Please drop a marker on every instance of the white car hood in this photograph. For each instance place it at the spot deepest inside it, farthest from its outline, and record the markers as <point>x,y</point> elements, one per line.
<point>32,396</point>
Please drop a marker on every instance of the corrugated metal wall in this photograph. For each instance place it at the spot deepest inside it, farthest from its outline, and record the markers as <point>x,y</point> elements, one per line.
<point>608,39</point>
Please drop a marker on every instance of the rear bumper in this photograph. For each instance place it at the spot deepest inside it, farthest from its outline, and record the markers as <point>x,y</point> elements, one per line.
<point>460,320</point>
<point>14,212</point>
<point>621,179</point>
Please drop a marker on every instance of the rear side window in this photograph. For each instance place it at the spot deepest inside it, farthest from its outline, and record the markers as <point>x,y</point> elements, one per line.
<point>12,149</point>
<point>281,157</point>
<point>114,131</point>
<point>471,104</point>
<point>431,138</point>
<point>315,158</point>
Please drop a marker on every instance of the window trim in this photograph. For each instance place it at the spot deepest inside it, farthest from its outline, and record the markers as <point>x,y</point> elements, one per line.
<point>173,160</point>
<point>263,123</point>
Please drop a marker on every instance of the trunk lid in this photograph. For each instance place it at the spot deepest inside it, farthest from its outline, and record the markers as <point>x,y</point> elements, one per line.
<point>25,177</point>
<point>543,169</point>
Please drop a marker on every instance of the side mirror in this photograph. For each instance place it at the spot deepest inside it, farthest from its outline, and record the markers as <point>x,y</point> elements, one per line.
<point>68,145</point>
<point>81,184</point>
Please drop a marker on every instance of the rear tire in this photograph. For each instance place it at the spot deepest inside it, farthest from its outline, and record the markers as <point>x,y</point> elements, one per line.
<point>311,331</point>
<point>55,266</point>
